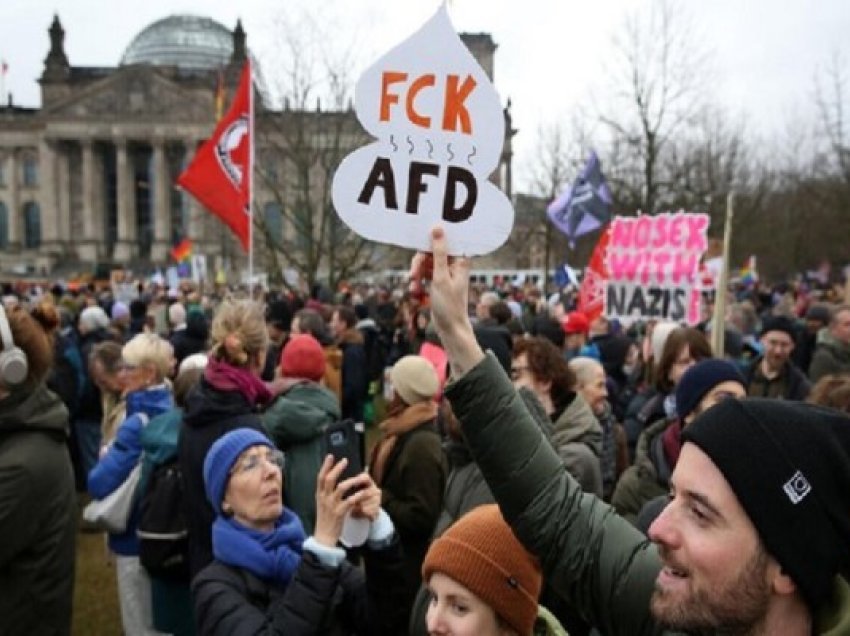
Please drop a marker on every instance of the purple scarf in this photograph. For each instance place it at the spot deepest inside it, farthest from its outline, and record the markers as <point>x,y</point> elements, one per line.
<point>225,377</point>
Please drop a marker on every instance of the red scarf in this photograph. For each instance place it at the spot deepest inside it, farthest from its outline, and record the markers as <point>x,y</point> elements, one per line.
<point>226,377</point>
<point>671,442</point>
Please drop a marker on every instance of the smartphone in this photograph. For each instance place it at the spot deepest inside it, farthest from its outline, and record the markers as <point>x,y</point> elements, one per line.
<point>342,440</point>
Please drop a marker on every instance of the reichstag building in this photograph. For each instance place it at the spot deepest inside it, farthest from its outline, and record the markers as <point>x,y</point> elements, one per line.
<point>89,176</point>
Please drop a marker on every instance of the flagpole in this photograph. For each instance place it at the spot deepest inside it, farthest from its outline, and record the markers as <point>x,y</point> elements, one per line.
<point>251,180</point>
<point>718,328</point>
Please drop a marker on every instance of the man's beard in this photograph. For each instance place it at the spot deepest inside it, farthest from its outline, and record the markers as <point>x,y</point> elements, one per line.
<point>735,609</point>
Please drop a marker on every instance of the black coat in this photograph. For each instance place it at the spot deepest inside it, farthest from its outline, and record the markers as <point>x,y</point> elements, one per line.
<point>208,415</point>
<point>319,599</point>
<point>192,339</point>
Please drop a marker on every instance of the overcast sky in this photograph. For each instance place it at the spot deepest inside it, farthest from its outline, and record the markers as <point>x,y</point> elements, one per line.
<point>551,52</point>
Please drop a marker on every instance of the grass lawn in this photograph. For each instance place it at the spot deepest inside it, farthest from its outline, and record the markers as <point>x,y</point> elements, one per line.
<point>96,608</point>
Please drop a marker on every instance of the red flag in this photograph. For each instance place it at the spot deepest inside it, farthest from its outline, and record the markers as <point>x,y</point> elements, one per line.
<point>220,174</point>
<point>591,295</point>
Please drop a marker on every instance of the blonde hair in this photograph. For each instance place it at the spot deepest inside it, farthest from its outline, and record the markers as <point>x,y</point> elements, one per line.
<point>239,332</point>
<point>149,349</point>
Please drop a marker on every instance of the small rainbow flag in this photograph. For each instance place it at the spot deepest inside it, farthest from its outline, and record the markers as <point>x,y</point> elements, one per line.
<point>749,272</point>
<point>182,252</point>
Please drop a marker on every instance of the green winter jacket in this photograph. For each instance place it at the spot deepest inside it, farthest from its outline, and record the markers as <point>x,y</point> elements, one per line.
<point>38,514</point>
<point>831,356</point>
<point>605,567</point>
<point>647,478</point>
<point>577,437</point>
<point>295,422</point>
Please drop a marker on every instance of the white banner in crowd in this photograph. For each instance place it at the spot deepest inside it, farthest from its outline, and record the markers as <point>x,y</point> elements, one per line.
<point>653,267</point>
<point>440,128</point>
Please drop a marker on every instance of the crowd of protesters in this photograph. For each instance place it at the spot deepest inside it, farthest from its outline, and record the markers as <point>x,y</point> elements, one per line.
<point>237,391</point>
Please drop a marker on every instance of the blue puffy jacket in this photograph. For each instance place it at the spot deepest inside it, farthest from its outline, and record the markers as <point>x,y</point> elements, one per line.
<point>123,455</point>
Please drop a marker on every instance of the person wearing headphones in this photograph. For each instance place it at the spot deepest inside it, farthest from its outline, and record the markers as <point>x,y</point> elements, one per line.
<point>38,510</point>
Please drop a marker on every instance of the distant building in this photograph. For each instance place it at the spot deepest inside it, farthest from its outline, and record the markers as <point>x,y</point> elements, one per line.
<point>89,176</point>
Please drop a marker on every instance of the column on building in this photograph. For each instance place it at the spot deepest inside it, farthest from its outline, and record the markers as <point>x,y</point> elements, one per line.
<point>125,245</point>
<point>49,207</point>
<point>89,249</point>
<point>15,219</point>
<point>161,203</point>
<point>194,212</point>
<point>63,197</point>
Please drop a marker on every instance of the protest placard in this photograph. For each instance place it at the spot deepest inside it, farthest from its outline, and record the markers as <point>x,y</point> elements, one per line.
<point>439,129</point>
<point>652,265</point>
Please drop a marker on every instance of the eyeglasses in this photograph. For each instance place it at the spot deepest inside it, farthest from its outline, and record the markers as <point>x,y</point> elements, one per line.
<point>516,371</point>
<point>251,462</point>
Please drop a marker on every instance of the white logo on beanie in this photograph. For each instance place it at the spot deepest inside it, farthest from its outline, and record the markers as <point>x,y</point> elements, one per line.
<point>797,488</point>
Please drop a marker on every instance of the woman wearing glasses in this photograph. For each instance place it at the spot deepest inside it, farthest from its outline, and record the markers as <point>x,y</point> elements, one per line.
<point>266,576</point>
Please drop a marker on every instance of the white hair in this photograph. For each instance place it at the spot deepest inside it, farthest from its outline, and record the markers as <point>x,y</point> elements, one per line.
<point>584,368</point>
<point>176,314</point>
<point>93,318</point>
<point>149,348</point>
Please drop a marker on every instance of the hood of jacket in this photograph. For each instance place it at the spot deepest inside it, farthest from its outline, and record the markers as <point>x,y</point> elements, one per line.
<point>840,350</point>
<point>152,401</point>
<point>578,424</point>
<point>34,408</point>
<point>197,326</point>
<point>647,441</point>
<point>206,405</point>
<point>301,413</point>
<point>350,337</point>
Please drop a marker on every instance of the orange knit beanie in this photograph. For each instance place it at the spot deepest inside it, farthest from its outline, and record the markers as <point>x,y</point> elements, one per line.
<point>481,553</point>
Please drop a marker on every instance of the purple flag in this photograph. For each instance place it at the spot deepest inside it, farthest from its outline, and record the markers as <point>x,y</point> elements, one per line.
<point>585,205</point>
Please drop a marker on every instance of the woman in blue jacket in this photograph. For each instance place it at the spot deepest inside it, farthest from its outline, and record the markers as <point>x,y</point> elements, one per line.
<point>146,361</point>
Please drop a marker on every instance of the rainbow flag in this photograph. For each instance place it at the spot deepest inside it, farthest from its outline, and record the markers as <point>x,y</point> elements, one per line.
<point>182,252</point>
<point>749,272</point>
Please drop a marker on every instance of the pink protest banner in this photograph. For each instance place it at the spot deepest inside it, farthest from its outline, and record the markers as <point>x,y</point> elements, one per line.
<point>653,266</point>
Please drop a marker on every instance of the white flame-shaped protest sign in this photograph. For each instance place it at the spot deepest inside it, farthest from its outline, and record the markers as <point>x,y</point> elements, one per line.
<point>439,127</point>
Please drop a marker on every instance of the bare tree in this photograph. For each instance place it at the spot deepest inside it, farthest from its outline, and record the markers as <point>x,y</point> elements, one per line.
<point>656,86</point>
<point>301,146</point>
<point>558,159</point>
<point>831,95</point>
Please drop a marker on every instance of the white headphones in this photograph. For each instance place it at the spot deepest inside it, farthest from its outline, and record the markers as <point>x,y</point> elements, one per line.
<point>13,361</point>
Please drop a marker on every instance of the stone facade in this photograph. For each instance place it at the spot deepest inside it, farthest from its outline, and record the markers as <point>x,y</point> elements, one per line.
<point>89,177</point>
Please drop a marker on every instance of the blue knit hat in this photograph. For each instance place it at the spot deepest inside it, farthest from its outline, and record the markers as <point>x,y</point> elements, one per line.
<point>221,457</point>
<point>700,379</point>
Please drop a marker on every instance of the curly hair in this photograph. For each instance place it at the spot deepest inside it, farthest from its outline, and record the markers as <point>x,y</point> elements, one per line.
<point>547,364</point>
<point>33,332</point>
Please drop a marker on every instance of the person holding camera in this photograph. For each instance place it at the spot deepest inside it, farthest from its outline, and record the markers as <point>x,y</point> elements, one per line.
<point>267,576</point>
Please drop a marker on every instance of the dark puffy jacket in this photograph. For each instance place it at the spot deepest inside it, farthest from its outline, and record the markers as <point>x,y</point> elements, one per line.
<point>412,493</point>
<point>208,415</point>
<point>319,600</point>
<point>355,375</point>
<point>192,339</point>
<point>591,556</point>
<point>38,514</point>
<point>648,477</point>
<point>792,384</point>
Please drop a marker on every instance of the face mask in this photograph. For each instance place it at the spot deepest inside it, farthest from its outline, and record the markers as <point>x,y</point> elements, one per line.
<point>628,369</point>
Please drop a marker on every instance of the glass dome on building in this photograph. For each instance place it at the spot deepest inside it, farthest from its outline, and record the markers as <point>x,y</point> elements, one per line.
<point>187,41</point>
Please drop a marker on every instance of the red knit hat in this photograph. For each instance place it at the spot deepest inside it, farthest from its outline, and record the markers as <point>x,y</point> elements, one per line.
<point>576,322</point>
<point>303,357</point>
<point>481,553</point>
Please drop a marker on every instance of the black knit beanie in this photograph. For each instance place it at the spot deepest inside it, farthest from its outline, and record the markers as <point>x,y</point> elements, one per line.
<point>789,465</point>
<point>779,323</point>
<point>701,378</point>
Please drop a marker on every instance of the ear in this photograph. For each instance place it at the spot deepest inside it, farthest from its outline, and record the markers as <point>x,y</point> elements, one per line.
<point>780,582</point>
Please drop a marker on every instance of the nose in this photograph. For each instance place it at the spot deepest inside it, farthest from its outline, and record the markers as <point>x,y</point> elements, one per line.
<point>663,530</point>
<point>433,619</point>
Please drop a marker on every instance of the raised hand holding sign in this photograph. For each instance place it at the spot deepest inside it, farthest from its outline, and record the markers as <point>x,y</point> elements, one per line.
<point>440,128</point>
